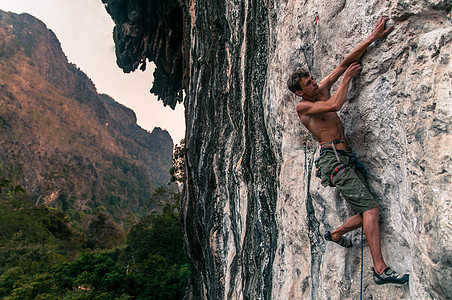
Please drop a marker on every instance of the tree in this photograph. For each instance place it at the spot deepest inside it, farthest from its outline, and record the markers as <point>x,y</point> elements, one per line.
<point>32,241</point>
<point>164,199</point>
<point>11,194</point>
<point>103,232</point>
<point>155,250</point>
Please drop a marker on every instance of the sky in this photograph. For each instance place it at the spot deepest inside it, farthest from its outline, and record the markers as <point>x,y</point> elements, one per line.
<point>84,29</point>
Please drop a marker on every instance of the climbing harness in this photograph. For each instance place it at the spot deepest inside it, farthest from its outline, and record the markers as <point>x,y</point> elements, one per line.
<point>316,16</point>
<point>322,146</point>
<point>336,173</point>
<point>340,167</point>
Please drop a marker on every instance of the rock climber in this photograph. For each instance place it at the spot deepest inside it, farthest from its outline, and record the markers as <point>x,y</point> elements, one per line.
<point>337,165</point>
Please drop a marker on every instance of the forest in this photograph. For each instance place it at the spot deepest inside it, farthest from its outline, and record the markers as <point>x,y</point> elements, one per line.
<point>47,253</point>
<point>85,208</point>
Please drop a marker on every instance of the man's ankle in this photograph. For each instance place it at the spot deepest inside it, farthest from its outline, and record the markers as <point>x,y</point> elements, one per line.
<point>379,270</point>
<point>335,236</point>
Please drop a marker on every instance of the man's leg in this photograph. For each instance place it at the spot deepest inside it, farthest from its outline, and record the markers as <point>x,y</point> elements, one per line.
<point>372,232</point>
<point>353,187</point>
<point>352,223</point>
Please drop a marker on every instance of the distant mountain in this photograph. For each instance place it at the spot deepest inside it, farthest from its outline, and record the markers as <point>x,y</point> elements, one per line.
<point>64,143</point>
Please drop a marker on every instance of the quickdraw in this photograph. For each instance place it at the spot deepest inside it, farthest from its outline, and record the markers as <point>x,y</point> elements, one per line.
<point>316,17</point>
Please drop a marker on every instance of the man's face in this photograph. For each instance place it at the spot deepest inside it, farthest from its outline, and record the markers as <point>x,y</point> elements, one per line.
<point>309,86</point>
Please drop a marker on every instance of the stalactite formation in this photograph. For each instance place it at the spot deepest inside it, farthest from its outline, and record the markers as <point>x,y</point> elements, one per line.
<point>151,30</point>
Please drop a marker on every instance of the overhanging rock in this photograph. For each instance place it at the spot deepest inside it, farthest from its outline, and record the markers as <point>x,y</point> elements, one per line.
<point>151,30</point>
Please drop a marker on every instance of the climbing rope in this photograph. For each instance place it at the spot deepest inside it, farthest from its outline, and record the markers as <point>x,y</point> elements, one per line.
<point>362,258</point>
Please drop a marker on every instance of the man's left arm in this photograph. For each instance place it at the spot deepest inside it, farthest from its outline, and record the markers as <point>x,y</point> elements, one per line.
<point>378,32</point>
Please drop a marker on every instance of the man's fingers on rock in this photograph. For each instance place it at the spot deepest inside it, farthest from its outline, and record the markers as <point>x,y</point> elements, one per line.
<point>389,29</point>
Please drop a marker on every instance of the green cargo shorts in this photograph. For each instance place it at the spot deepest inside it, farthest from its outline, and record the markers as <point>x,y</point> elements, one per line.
<point>350,182</point>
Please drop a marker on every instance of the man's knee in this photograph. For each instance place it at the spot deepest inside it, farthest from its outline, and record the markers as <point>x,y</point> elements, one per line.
<point>373,211</point>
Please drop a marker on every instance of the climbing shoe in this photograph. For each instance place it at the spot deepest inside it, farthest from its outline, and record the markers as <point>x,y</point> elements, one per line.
<point>342,242</point>
<point>390,276</point>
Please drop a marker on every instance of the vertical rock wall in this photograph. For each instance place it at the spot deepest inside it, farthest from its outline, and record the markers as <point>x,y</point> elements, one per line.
<point>254,212</point>
<point>231,166</point>
<point>397,119</point>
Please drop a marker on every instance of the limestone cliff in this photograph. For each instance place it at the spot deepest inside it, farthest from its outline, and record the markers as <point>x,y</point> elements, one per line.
<point>254,214</point>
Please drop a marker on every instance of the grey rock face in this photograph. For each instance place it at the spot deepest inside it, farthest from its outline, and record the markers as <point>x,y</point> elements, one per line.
<point>254,213</point>
<point>392,122</point>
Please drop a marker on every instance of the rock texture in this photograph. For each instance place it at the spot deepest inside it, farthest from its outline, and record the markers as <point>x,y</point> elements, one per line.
<point>397,119</point>
<point>254,213</point>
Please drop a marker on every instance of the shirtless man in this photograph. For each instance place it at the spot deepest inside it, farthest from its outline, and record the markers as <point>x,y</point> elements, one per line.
<point>337,166</point>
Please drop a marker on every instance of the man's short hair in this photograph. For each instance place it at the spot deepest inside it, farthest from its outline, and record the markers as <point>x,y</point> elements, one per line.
<point>294,80</point>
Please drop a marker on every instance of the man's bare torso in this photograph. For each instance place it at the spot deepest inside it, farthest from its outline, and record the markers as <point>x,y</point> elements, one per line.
<point>326,127</point>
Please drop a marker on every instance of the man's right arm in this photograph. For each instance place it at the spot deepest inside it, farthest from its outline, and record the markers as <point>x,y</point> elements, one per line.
<point>336,101</point>
<point>378,32</point>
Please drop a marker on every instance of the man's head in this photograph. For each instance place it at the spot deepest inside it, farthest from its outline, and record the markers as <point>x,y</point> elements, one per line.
<point>302,83</point>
